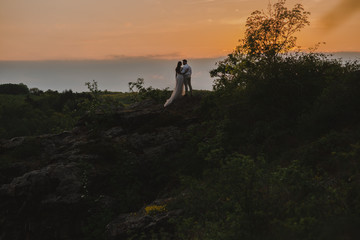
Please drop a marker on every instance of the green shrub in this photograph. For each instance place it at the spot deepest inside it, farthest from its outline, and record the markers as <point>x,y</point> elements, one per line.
<point>15,89</point>
<point>141,93</point>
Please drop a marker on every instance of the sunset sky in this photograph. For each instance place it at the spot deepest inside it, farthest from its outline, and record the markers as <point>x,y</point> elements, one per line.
<point>111,29</point>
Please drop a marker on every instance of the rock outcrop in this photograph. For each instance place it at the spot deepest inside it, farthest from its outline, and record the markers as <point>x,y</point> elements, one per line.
<point>59,186</point>
<point>41,202</point>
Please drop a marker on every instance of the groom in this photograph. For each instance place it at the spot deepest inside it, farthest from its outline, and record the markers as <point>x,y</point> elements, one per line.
<point>186,70</point>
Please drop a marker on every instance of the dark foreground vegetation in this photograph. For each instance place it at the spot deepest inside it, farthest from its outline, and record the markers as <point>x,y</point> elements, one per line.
<point>272,153</point>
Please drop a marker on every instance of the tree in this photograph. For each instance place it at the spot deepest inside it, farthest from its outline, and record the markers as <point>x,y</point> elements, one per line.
<point>271,33</point>
<point>267,36</point>
<point>15,89</point>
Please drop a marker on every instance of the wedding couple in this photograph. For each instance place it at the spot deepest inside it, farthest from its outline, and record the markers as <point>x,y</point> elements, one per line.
<point>183,78</point>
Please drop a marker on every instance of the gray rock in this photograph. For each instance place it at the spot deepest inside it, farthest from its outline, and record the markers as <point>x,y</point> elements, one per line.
<point>50,196</point>
<point>43,204</point>
<point>164,139</point>
<point>114,132</point>
<point>56,182</point>
<point>13,143</point>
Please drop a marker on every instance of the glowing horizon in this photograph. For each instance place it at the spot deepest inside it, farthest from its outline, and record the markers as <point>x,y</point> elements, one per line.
<point>111,29</point>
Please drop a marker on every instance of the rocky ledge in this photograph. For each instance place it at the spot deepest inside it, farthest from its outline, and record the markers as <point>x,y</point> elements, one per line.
<point>62,186</point>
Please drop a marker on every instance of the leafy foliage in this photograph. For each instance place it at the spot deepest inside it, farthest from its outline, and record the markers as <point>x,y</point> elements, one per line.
<point>100,103</point>
<point>14,89</point>
<point>281,162</point>
<point>266,37</point>
<point>36,112</point>
<point>248,199</point>
<point>141,93</point>
<point>271,33</point>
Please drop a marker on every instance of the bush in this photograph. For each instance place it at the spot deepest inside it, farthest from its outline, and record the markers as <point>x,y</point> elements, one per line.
<point>15,89</point>
<point>142,93</point>
<point>248,199</point>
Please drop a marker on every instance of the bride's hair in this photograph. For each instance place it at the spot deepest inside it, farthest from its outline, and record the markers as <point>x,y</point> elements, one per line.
<point>178,67</point>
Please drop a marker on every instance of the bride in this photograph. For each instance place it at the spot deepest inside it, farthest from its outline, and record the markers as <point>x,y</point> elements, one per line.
<point>179,87</point>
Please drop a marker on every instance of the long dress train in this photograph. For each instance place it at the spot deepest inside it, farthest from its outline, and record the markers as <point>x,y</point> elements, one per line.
<point>178,90</point>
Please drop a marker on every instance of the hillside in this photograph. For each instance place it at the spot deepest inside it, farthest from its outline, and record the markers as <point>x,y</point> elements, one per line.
<point>219,165</point>
<point>273,152</point>
<point>71,185</point>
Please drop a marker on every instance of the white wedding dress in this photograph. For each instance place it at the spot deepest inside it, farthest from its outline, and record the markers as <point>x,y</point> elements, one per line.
<point>178,90</point>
